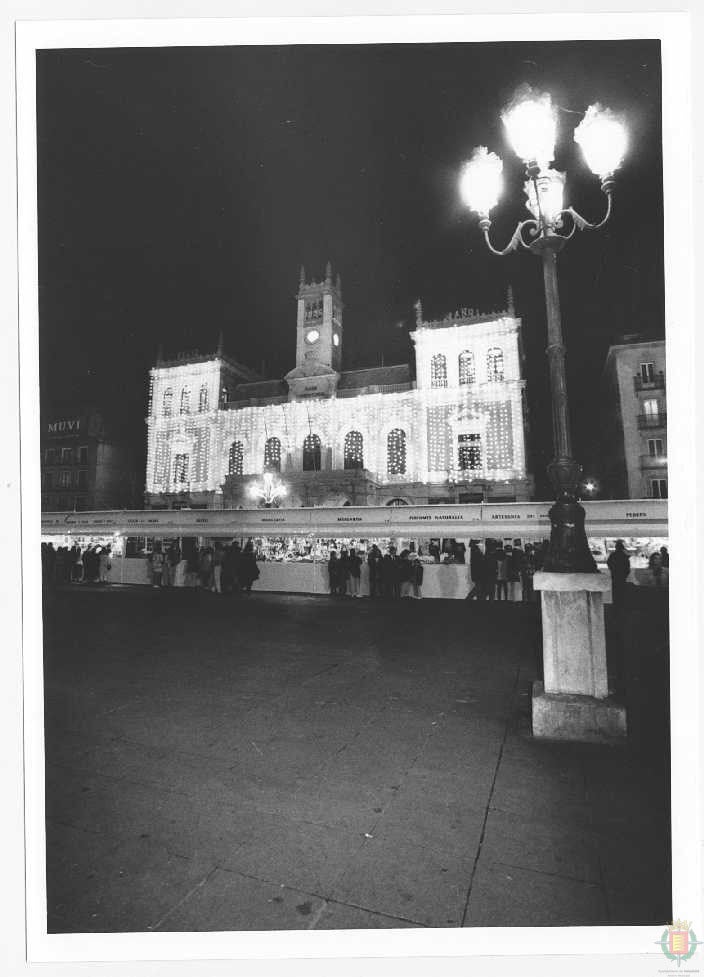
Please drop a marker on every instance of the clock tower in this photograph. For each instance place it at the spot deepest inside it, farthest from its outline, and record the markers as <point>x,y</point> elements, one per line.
<point>319,322</point>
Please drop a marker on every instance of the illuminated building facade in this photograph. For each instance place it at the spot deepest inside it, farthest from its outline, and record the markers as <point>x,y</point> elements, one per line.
<point>364,437</point>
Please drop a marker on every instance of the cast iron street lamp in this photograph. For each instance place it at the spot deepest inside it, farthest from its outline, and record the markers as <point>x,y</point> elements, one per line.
<point>269,491</point>
<point>531,124</point>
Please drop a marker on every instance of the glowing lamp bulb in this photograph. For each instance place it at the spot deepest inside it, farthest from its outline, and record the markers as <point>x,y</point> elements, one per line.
<point>531,126</point>
<point>603,139</point>
<point>545,195</point>
<point>481,182</point>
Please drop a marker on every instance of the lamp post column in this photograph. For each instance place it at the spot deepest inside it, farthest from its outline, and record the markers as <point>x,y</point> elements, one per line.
<point>569,549</point>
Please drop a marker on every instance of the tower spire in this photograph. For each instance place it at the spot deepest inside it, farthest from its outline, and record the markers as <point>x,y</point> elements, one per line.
<point>221,343</point>
<point>328,274</point>
<point>509,301</point>
<point>302,276</point>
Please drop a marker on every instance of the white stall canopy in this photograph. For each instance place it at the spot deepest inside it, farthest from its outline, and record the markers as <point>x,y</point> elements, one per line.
<point>645,517</point>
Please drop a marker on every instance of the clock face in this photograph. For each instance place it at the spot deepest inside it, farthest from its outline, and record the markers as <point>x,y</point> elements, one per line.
<point>335,339</point>
<point>312,336</point>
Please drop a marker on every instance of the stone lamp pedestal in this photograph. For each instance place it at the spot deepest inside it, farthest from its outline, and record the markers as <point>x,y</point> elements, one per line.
<point>572,703</point>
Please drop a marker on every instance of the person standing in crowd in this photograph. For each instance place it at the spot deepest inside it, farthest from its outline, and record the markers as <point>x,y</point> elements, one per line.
<point>665,557</point>
<point>527,572</point>
<point>355,570</point>
<point>417,576</point>
<point>405,574</point>
<point>374,560</point>
<point>218,555</point>
<point>205,568</point>
<point>343,572</point>
<point>476,571</point>
<point>76,565</point>
<point>173,559</point>
<point>491,568</point>
<point>156,565</point>
<point>249,571</point>
<point>334,573</point>
<point>502,572</point>
<point>517,559</point>
<point>460,552</point>
<point>236,560</point>
<point>388,573</point>
<point>658,573</point>
<point>620,566</point>
<point>104,564</point>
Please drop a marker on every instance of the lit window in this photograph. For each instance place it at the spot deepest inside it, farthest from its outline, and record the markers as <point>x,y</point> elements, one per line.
<point>495,364</point>
<point>185,401</point>
<point>235,461</point>
<point>396,452</point>
<point>651,409</point>
<point>224,397</point>
<point>469,452</point>
<point>466,367</point>
<point>272,455</point>
<point>181,469</point>
<point>167,404</point>
<point>203,399</point>
<point>354,450</point>
<point>658,488</point>
<point>438,371</point>
<point>311,453</point>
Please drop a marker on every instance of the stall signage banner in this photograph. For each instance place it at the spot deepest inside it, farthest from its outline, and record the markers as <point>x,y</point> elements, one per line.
<point>618,518</point>
<point>504,513</point>
<point>432,515</point>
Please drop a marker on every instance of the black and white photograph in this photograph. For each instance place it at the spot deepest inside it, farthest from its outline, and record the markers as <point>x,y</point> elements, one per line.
<point>354,541</point>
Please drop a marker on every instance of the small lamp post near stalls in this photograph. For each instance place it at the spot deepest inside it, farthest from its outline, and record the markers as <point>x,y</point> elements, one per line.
<point>573,701</point>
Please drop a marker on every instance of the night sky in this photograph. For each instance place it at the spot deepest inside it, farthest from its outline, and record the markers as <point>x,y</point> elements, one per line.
<point>180,189</point>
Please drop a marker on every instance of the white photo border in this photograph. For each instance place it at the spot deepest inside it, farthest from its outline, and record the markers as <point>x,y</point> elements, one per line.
<point>673,31</point>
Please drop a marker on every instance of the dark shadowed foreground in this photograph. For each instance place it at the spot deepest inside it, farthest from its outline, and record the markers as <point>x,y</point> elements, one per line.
<point>287,762</point>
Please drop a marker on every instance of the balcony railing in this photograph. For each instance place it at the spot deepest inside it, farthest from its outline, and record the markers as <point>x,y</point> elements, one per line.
<point>653,461</point>
<point>376,388</point>
<point>657,383</point>
<point>652,420</point>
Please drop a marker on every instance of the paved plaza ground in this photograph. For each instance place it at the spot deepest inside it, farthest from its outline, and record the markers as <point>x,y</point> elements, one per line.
<point>292,762</point>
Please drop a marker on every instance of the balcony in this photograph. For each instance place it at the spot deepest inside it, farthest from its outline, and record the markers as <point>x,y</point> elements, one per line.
<point>652,421</point>
<point>657,383</point>
<point>658,462</point>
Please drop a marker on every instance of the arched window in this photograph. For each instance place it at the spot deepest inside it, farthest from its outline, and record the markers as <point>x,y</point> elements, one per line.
<point>466,367</point>
<point>167,404</point>
<point>396,452</point>
<point>311,453</point>
<point>438,371</point>
<point>224,397</point>
<point>235,460</point>
<point>186,400</point>
<point>203,399</point>
<point>495,363</point>
<point>272,455</point>
<point>354,450</point>
<point>397,502</point>
<point>181,469</point>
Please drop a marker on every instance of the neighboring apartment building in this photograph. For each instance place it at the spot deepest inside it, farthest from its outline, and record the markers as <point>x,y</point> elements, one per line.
<point>335,436</point>
<point>82,466</point>
<point>634,420</point>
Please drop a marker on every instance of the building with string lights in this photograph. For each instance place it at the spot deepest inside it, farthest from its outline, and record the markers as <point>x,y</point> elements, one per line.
<point>454,430</point>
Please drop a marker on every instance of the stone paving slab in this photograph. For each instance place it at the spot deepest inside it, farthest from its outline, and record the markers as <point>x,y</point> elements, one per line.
<point>284,762</point>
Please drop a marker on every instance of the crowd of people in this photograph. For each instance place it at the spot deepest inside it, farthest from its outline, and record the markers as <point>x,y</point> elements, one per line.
<point>619,565</point>
<point>391,574</point>
<point>219,569</point>
<point>66,565</point>
<point>497,572</point>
